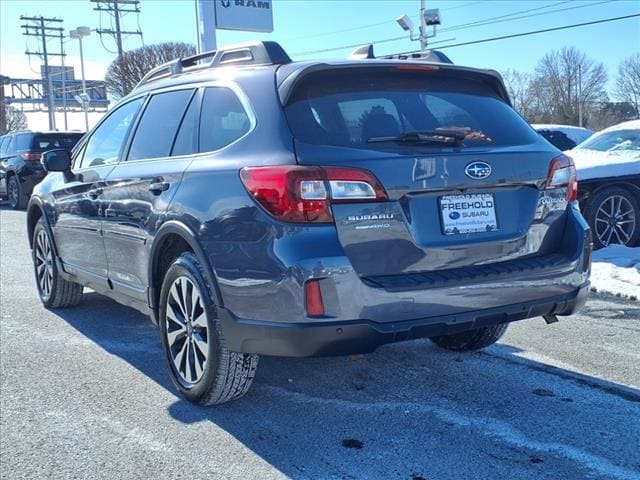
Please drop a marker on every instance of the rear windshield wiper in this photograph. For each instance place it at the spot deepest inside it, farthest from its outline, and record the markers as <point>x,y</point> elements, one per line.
<point>428,136</point>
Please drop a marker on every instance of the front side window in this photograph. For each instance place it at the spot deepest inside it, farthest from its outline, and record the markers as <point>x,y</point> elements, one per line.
<point>158,126</point>
<point>223,119</point>
<point>105,144</point>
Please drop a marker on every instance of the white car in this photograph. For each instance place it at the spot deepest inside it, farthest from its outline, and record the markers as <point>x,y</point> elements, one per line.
<point>608,169</point>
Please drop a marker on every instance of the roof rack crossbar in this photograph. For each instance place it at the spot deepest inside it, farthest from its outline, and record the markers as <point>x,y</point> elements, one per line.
<point>252,53</point>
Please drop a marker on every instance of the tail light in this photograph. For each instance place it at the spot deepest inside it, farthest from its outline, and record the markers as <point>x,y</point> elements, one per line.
<point>30,157</point>
<point>301,194</point>
<point>562,173</point>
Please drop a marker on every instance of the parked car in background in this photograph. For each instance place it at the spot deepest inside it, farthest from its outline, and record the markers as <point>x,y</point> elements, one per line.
<point>254,205</point>
<point>564,137</point>
<point>608,169</point>
<point>20,168</point>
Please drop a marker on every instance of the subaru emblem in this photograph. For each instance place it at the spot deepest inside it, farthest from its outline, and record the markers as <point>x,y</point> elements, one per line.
<point>478,170</point>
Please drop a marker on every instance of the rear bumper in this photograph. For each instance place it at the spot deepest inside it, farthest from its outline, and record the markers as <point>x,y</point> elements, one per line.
<point>363,336</point>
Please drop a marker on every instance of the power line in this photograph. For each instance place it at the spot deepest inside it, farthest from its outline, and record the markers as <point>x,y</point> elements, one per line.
<point>486,21</point>
<point>117,9</point>
<point>564,27</point>
<point>362,27</point>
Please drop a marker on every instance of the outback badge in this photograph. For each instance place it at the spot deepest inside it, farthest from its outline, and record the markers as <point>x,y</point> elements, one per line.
<point>477,170</point>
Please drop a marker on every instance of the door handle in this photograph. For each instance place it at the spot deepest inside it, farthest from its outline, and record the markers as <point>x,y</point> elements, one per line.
<point>94,194</point>
<point>158,187</point>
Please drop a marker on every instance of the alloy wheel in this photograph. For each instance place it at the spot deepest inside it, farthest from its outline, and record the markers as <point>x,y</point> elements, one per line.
<point>187,330</point>
<point>12,192</point>
<point>615,220</point>
<point>44,263</point>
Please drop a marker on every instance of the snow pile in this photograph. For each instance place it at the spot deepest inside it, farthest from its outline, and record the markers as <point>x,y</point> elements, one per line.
<point>616,271</point>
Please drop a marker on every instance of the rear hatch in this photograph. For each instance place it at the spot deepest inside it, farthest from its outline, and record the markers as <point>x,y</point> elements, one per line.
<point>466,179</point>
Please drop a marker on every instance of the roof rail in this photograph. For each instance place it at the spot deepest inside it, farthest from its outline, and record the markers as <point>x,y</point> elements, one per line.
<point>365,52</point>
<point>251,53</point>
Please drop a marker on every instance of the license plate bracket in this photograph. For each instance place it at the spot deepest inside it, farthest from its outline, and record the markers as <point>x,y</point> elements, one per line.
<point>467,213</point>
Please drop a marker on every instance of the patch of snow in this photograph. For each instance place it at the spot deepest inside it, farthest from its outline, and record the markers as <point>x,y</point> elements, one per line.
<point>616,271</point>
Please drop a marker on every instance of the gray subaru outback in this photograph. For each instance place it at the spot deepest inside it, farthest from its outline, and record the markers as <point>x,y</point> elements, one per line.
<point>252,205</point>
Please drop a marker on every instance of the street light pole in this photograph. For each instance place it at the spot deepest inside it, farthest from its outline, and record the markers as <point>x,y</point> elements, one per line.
<point>79,33</point>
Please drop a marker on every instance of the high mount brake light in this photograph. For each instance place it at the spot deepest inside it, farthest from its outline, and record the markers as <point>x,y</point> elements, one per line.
<point>301,194</point>
<point>562,173</point>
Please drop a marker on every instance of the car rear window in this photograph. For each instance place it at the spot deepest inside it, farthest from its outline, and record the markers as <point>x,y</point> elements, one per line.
<point>49,141</point>
<point>615,140</point>
<point>351,107</point>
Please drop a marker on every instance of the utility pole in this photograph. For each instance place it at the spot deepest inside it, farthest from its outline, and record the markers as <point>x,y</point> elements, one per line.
<point>579,95</point>
<point>64,84</point>
<point>423,26</point>
<point>39,27</point>
<point>118,9</point>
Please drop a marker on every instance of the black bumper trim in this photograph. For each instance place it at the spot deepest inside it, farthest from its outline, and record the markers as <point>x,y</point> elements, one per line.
<point>364,336</point>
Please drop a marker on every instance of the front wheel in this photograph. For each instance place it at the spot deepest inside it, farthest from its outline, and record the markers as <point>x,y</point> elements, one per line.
<point>54,291</point>
<point>201,365</point>
<point>472,339</point>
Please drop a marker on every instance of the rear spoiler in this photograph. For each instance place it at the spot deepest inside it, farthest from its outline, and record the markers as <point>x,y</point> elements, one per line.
<point>289,79</point>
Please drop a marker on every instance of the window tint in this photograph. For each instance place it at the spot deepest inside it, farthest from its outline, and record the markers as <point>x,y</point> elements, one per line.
<point>350,107</point>
<point>3,143</point>
<point>158,126</point>
<point>187,139</point>
<point>222,119</point>
<point>23,142</point>
<point>10,147</point>
<point>50,141</point>
<point>106,141</point>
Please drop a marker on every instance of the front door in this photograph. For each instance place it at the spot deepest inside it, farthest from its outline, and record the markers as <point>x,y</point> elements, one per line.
<point>79,206</point>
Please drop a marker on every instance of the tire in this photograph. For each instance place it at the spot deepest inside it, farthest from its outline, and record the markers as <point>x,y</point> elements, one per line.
<point>17,200</point>
<point>471,340</point>
<point>54,291</point>
<point>201,365</point>
<point>627,222</point>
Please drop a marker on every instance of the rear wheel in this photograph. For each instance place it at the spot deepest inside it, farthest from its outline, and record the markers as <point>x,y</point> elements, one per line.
<point>614,217</point>
<point>202,367</point>
<point>14,193</point>
<point>54,291</point>
<point>471,340</point>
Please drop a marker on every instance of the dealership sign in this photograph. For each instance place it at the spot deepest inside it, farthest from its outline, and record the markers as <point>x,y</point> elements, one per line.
<point>247,15</point>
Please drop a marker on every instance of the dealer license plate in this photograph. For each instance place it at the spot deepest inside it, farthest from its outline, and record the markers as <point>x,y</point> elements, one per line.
<point>468,213</point>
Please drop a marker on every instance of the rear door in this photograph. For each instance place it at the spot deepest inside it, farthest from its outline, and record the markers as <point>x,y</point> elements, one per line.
<point>139,189</point>
<point>77,224</point>
<point>466,191</point>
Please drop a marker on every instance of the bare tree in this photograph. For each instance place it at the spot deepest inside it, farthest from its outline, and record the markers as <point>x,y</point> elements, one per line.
<point>628,82</point>
<point>519,88</point>
<point>573,83</point>
<point>124,73</point>
<point>11,119</point>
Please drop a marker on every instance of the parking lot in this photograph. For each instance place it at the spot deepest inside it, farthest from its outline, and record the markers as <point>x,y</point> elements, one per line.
<point>85,394</point>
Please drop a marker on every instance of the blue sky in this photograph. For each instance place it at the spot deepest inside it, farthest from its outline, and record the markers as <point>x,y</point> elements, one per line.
<point>307,25</point>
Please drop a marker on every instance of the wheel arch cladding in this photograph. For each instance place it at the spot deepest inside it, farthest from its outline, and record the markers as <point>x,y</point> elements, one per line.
<point>172,239</point>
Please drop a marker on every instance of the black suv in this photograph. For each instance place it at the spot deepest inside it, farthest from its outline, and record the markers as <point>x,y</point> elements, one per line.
<point>254,205</point>
<point>20,168</point>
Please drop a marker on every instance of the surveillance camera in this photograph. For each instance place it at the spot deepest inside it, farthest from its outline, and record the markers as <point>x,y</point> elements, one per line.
<point>432,17</point>
<point>405,22</point>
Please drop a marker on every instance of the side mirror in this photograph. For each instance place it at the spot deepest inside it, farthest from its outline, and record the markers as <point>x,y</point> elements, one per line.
<point>58,160</point>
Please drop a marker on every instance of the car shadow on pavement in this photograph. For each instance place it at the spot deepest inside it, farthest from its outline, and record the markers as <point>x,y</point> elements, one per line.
<point>409,410</point>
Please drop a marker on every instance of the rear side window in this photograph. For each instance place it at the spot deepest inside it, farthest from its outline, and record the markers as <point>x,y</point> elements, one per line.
<point>223,119</point>
<point>186,141</point>
<point>106,141</point>
<point>43,142</point>
<point>159,124</point>
<point>3,144</point>
<point>23,142</point>
<point>352,107</point>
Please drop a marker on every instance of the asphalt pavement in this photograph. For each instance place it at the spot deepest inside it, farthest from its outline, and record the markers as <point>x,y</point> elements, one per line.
<point>84,393</point>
